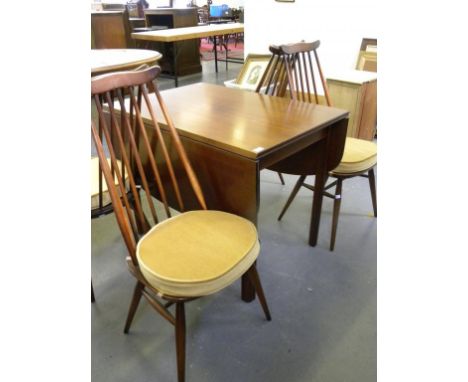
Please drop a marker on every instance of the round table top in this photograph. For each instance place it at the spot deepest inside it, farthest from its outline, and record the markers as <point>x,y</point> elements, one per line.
<point>109,60</point>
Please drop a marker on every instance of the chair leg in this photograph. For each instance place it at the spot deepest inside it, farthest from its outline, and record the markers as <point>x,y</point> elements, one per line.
<point>281,178</point>
<point>255,279</point>
<point>293,195</point>
<point>336,212</point>
<point>137,293</point>
<point>180,340</point>
<point>373,190</point>
<point>92,292</point>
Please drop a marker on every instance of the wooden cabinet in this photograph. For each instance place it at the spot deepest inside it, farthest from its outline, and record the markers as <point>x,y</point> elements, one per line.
<point>111,30</point>
<point>188,60</point>
<point>356,91</point>
<point>137,22</point>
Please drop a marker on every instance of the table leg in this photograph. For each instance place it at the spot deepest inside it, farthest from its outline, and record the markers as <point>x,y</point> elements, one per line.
<point>330,153</point>
<point>215,53</point>
<point>320,180</point>
<point>176,80</point>
<point>321,175</point>
<point>226,46</point>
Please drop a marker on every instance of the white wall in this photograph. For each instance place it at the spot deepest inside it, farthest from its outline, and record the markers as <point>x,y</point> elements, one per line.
<point>176,3</point>
<point>231,3</point>
<point>181,3</point>
<point>340,25</point>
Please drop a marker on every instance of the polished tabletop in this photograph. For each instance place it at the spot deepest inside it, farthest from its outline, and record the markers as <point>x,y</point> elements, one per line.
<point>188,33</point>
<point>109,60</point>
<point>230,135</point>
<point>245,123</point>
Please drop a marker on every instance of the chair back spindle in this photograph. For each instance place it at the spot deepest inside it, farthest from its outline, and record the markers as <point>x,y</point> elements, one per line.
<point>293,69</point>
<point>152,159</point>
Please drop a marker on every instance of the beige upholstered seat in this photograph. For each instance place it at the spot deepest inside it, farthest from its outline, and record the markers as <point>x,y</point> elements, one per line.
<point>197,253</point>
<point>95,184</point>
<point>359,155</point>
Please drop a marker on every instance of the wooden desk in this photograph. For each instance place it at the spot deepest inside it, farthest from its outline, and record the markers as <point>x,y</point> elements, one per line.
<point>188,61</point>
<point>110,60</point>
<point>190,33</point>
<point>231,135</point>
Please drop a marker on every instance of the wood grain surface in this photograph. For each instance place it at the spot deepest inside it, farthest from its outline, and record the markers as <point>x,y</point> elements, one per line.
<point>189,33</point>
<point>110,60</point>
<point>245,123</point>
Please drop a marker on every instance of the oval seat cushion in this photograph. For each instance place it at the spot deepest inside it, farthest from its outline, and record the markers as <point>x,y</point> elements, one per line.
<point>197,253</point>
<point>359,155</point>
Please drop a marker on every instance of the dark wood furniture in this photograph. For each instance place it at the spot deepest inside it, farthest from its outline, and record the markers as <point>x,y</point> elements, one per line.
<point>136,19</point>
<point>111,30</point>
<point>232,135</point>
<point>187,34</point>
<point>215,248</point>
<point>113,6</point>
<point>188,60</point>
<point>292,73</point>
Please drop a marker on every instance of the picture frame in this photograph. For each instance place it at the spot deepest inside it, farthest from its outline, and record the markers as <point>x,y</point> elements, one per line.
<point>367,60</point>
<point>367,42</point>
<point>252,71</point>
<point>285,1</point>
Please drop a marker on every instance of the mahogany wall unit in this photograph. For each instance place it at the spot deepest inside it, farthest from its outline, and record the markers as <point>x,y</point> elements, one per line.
<point>356,91</point>
<point>111,30</point>
<point>188,61</point>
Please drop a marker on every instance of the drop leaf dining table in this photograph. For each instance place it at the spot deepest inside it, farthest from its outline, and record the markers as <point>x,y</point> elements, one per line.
<point>230,135</point>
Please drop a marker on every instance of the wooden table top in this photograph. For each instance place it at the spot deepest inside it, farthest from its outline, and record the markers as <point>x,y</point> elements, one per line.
<point>189,33</point>
<point>353,76</point>
<point>245,123</point>
<point>109,60</point>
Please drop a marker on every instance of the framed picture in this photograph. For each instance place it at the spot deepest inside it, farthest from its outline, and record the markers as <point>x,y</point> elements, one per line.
<point>252,71</point>
<point>367,61</point>
<point>368,43</point>
<point>286,1</point>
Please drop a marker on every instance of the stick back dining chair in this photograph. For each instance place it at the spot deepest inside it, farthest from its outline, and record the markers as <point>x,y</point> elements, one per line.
<point>292,72</point>
<point>101,203</point>
<point>174,257</point>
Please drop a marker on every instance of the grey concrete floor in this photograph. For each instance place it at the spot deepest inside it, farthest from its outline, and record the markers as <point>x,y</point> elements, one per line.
<point>323,303</point>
